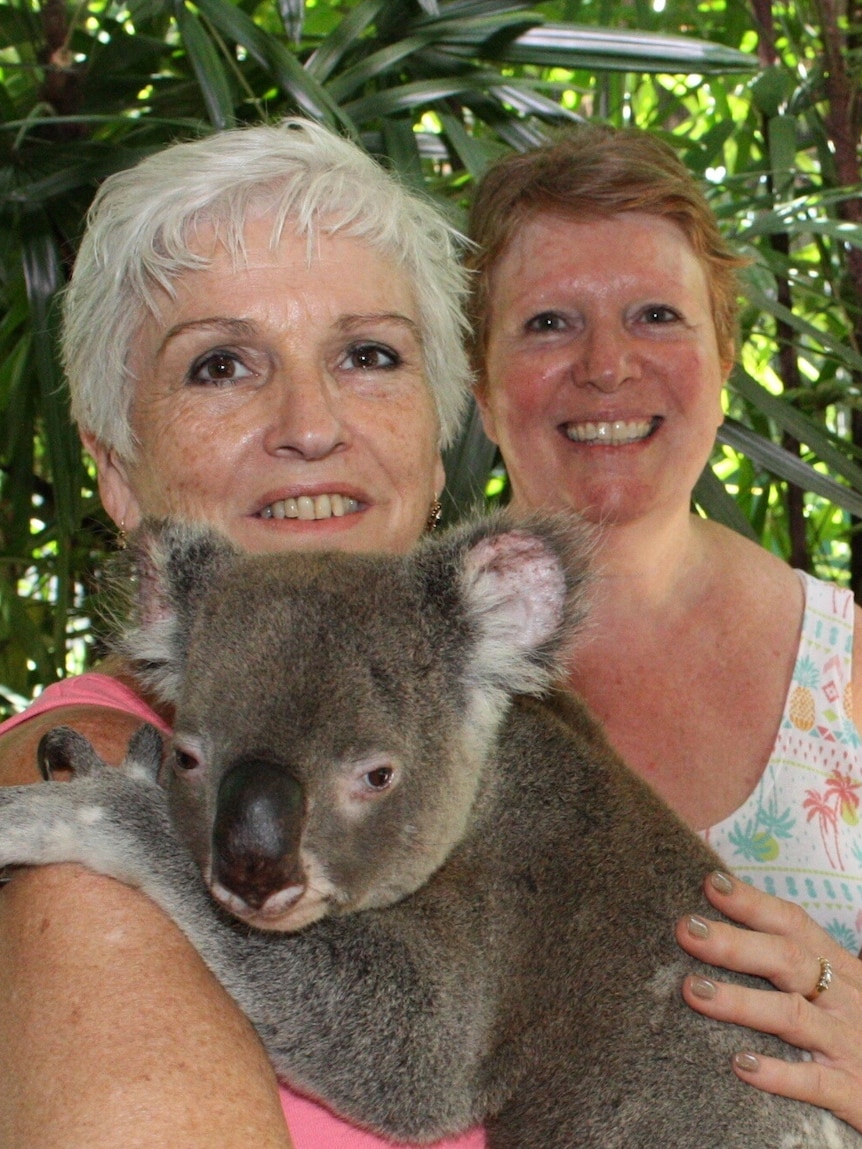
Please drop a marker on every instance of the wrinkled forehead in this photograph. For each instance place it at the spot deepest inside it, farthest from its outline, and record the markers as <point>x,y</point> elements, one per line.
<point>267,265</point>
<point>222,236</point>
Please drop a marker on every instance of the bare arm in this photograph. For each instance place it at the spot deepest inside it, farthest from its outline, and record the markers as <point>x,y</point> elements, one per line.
<point>112,1031</point>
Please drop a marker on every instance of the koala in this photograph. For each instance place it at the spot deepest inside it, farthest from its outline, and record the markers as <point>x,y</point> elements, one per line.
<point>426,878</point>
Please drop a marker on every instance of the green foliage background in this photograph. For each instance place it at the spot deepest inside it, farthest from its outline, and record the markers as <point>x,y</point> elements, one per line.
<point>762,100</point>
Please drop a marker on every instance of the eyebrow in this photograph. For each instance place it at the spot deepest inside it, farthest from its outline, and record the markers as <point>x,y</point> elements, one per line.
<point>349,323</point>
<point>239,328</point>
<point>244,328</point>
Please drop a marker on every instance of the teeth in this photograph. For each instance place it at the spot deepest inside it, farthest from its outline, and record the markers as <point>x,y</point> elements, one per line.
<point>311,507</point>
<point>619,432</point>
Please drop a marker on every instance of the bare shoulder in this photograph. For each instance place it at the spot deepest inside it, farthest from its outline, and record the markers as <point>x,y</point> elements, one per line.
<point>771,588</point>
<point>108,729</point>
<point>754,583</point>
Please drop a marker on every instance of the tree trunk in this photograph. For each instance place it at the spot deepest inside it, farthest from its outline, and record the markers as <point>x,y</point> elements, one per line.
<point>799,555</point>
<point>843,120</point>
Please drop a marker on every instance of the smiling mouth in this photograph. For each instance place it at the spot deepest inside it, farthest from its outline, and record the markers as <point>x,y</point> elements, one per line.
<point>613,434</point>
<point>309,508</point>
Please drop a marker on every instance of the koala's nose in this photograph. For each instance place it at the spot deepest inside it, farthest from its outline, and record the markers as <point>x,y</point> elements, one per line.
<point>257,830</point>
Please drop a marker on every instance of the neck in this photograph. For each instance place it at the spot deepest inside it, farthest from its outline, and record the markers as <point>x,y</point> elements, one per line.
<point>649,563</point>
<point>644,566</point>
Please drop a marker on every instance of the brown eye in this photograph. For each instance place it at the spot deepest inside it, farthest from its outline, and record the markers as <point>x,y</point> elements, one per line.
<point>218,367</point>
<point>380,778</point>
<point>184,760</point>
<point>371,357</point>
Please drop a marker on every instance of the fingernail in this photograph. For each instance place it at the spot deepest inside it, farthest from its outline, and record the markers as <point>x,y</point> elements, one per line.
<point>702,987</point>
<point>721,882</point>
<point>697,927</point>
<point>747,1062</point>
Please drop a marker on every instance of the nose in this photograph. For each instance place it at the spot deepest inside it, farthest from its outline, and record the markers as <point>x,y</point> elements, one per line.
<point>256,832</point>
<point>607,360</point>
<point>303,418</point>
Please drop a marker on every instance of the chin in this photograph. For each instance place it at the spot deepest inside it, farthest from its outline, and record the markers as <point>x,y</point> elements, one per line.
<point>612,507</point>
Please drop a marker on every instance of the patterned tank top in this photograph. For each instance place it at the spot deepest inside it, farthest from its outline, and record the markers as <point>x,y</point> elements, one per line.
<point>799,834</point>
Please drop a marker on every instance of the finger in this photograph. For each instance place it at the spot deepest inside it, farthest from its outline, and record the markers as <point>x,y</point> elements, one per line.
<point>827,1086</point>
<point>767,914</point>
<point>787,1015</point>
<point>778,959</point>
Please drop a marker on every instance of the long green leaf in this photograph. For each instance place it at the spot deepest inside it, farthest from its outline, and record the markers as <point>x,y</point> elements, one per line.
<point>612,49</point>
<point>373,67</point>
<point>328,55</point>
<point>86,171</point>
<point>712,495</point>
<point>280,63</point>
<point>482,31</point>
<point>473,152</point>
<point>766,303</point>
<point>43,275</point>
<point>208,67</point>
<point>796,423</point>
<point>787,466</point>
<point>408,96</point>
<point>468,463</point>
<point>795,224</point>
<point>526,100</point>
<point>402,148</point>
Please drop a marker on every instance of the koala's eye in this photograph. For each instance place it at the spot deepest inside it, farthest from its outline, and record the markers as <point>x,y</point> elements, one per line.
<point>184,760</point>
<point>368,779</point>
<point>380,778</point>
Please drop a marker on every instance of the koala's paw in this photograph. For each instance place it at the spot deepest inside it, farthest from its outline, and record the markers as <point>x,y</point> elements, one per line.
<point>65,749</point>
<point>107,819</point>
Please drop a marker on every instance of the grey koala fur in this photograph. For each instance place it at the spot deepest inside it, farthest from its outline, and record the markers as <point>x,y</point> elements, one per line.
<point>479,896</point>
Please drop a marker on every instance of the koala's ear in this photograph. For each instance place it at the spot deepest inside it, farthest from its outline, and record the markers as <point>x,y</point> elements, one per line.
<point>174,565</point>
<point>525,584</point>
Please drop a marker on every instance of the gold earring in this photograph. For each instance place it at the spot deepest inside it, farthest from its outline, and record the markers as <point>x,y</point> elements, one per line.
<point>121,536</point>
<point>434,516</point>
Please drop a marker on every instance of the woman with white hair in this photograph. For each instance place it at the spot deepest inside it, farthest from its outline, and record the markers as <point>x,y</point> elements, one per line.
<point>263,332</point>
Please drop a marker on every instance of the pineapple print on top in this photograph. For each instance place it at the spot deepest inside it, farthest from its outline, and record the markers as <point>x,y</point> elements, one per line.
<point>806,679</point>
<point>799,834</point>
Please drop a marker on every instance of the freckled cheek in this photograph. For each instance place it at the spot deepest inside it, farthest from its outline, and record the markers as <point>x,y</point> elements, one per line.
<point>411,465</point>
<point>524,383</point>
<point>177,485</point>
<point>401,434</point>
<point>185,464</point>
<point>699,384</point>
<point>516,403</point>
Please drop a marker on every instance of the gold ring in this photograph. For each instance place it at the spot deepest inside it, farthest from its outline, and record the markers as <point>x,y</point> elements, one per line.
<point>824,981</point>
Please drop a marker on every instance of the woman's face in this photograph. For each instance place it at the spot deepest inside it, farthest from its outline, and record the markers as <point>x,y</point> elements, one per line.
<point>603,373</point>
<point>283,400</point>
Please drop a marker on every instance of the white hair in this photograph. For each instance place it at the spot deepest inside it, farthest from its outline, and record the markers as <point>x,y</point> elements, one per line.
<point>142,223</point>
